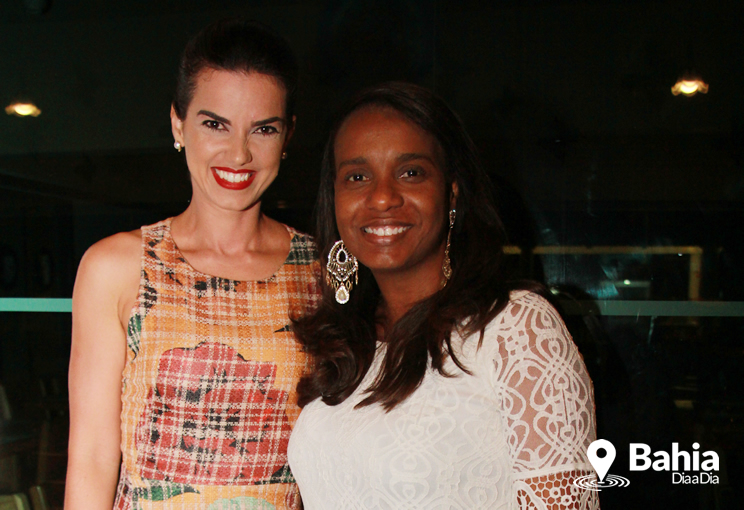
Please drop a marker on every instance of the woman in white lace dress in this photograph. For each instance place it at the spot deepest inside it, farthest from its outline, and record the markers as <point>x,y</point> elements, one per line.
<point>437,385</point>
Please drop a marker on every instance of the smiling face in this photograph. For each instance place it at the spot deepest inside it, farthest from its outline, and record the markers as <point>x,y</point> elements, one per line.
<point>391,195</point>
<point>234,133</point>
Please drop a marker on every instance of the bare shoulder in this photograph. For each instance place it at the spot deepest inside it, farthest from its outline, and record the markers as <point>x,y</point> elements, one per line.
<point>118,245</point>
<point>109,275</point>
<point>279,233</point>
<point>114,255</point>
<point>277,241</point>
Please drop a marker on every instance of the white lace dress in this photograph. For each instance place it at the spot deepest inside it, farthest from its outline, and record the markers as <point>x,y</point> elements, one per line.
<point>513,435</point>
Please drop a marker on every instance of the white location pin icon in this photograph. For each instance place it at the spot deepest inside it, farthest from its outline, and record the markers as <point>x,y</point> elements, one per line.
<point>601,464</point>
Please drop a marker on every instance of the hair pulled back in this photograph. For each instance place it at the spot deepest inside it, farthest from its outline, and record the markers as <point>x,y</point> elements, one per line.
<point>239,45</point>
<point>342,338</point>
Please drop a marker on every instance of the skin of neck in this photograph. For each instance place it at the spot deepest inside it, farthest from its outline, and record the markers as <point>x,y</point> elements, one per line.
<point>222,230</point>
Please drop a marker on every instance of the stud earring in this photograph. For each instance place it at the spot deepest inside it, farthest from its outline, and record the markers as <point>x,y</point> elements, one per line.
<point>341,266</point>
<point>284,155</point>
<point>446,264</point>
<point>177,146</point>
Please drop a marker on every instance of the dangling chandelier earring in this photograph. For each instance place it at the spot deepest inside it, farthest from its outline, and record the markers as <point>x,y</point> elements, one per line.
<point>341,266</point>
<point>446,264</point>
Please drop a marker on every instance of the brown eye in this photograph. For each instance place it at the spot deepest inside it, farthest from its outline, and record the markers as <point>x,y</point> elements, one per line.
<point>267,130</point>
<point>213,124</point>
<point>355,177</point>
<point>412,173</point>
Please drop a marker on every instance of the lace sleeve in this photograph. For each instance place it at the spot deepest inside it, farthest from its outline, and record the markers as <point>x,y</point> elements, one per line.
<point>547,400</point>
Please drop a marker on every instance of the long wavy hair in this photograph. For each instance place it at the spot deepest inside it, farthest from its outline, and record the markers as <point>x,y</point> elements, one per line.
<point>342,338</point>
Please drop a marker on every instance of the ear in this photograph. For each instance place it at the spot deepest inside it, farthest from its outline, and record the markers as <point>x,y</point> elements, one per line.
<point>453,195</point>
<point>290,132</point>
<point>176,126</point>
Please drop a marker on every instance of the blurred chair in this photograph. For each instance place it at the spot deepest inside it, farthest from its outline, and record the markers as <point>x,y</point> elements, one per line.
<point>53,399</point>
<point>14,502</point>
<point>47,446</point>
<point>38,498</point>
<point>9,466</point>
<point>5,414</point>
<point>52,463</point>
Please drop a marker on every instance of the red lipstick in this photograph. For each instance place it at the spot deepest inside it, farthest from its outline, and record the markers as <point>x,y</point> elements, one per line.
<point>232,179</point>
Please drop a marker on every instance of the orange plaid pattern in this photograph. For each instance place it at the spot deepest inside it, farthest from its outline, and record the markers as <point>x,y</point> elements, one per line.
<point>208,397</point>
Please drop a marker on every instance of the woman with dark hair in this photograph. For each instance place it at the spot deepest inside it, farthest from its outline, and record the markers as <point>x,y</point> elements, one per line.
<point>437,383</point>
<point>183,368</point>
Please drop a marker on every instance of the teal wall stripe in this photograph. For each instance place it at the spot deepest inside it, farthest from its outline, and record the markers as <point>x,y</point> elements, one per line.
<point>656,308</point>
<point>608,308</point>
<point>35,305</point>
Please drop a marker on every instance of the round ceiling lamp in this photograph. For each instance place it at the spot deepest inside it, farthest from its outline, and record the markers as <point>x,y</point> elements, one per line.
<point>23,110</point>
<point>689,86</point>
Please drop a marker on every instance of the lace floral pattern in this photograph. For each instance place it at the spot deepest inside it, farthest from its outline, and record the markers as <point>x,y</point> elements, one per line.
<point>511,436</point>
<point>554,491</point>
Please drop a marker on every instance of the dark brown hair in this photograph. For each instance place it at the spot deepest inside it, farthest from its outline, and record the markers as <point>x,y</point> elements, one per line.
<point>342,338</point>
<point>236,44</point>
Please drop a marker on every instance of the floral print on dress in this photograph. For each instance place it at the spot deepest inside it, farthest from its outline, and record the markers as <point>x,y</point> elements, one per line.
<point>214,417</point>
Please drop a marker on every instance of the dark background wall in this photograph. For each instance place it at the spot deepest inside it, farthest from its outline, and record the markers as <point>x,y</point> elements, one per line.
<point>546,84</point>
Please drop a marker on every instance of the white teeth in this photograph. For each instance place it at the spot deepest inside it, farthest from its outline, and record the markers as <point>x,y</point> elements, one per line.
<point>385,231</point>
<point>232,177</point>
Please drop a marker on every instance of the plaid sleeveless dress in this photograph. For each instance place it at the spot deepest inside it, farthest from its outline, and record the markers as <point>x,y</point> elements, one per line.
<point>208,390</point>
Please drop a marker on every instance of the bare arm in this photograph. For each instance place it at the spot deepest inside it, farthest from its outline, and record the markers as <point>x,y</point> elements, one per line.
<point>105,290</point>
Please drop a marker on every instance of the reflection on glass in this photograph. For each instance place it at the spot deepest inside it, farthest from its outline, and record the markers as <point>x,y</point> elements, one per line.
<point>625,272</point>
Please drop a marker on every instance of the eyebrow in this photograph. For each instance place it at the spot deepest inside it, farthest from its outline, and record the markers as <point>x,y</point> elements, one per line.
<point>214,116</point>
<point>253,124</point>
<point>355,161</point>
<point>268,121</point>
<point>403,158</point>
<point>412,156</point>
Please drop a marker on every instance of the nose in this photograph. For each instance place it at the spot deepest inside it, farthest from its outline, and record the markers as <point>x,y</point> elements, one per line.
<point>240,151</point>
<point>384,195</point>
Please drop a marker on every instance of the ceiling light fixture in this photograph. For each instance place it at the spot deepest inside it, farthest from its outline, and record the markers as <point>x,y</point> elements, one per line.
<point>23,110</point>
<point>689,86</point>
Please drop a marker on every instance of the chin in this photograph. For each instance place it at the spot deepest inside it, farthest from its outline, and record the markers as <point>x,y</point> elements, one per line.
<point>375,262</point>
<point>238,205</point>
<point>386,268</point>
